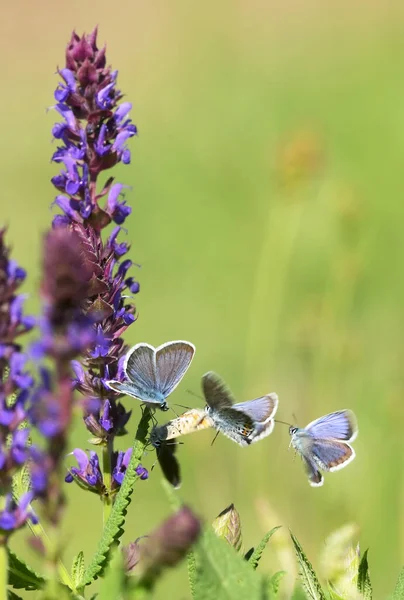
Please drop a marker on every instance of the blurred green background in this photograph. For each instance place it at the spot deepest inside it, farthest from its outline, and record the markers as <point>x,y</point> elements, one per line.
<point>268,206</point>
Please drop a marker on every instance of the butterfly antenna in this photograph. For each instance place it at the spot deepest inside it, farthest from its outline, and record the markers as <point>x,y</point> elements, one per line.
<point>177,415</point>
<point>196,395</point>
<point>283,423</point>
<point>182,406</point>
<point>214,439</point>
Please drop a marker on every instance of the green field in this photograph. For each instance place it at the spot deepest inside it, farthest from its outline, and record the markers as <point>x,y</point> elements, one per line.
<point>268,209</point>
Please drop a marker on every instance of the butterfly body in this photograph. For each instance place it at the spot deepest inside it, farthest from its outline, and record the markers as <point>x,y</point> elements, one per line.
<point>192,420</point>
<point>242,422</point>
<point>152,374</point>
<point>323,444</point>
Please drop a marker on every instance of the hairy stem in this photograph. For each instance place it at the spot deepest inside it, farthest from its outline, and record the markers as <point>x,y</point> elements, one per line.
<point>3,571</point>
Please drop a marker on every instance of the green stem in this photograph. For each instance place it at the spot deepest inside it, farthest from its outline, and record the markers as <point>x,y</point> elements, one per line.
<point>107,477</point>
<point>3,571</point>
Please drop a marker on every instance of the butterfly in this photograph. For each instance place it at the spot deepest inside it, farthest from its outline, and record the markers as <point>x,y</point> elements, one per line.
<point>242,422</point>
<point>192,420</point>
<point>323,445</point>
<point>168,461</point>
<point>152,374</point>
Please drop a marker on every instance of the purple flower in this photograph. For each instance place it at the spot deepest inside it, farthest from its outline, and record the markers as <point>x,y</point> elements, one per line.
<point>63,90</point>
<point>14,516</point>
<point>142,472</point>
<point>122,463</point>
<point>19,449</point>
<point>88,471</point>
<point>105,97</point>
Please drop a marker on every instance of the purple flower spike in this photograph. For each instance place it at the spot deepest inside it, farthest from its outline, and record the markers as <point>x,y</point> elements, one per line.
<point>15,385</point>
<point>93,136</point>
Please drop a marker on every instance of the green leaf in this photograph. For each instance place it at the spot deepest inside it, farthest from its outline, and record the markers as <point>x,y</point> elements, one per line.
<point>276,581</point>
<point>113,584</point>
<point>78,569</point>
<point>308,577</point>
<point>223,574</point>
<point>192,572</point>
<point>21,576</point>
<point>399,589</point>
<point>113,528</point>
<point>12,596</point>
<point>258,551</point>
<point>364,585</point>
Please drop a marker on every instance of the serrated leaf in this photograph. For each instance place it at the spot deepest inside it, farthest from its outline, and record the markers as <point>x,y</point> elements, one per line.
<point>258,551</point>
<point>399,589</point>
<point>12,596</point>
<point>249,554</point>
<point>364,584</point>
<point>21,576</point>
<point>78,569</point>
<point>275,582</point>
<point>113,528</point>
<point>113,583</point>
<point>223,574</point>
<point>192,572</point>
<point>308,576</point>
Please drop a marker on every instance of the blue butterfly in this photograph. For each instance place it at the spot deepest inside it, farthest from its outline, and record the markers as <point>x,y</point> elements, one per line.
<point>242,422</point>
<point>323,443</point>
<point>152,374</point>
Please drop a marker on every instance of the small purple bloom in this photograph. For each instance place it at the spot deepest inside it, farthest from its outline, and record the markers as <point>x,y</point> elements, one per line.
<point>104,97</point>
<point>121,138</point>
<point>63,91</point>
<point>142,472</point>
<point>19,449</point>
<point>68,115</point>
<point>122,111</point>
<point>101,146</point>
<point>88,470</point>
<point>122,463</point>
<point>15,515</point>
<point>105,420</point>
<point>15,272</point>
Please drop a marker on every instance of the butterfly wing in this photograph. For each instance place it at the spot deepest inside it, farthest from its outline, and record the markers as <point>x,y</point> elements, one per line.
<point>340,425</point>
<point>331,455</point>
<point>128,388</point>
<point>235,425</point>
<point>262,430</point>
<point>217,393</point>
<point>261,409</point>
<point>140,371</point>
<point>316,479</point>
<point>172,361</point>
<point>169,463</point>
